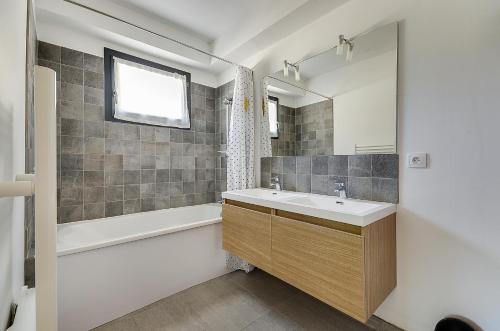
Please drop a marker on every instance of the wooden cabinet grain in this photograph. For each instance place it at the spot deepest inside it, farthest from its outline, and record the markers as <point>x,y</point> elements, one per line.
<point>352,270</point>
<point>247,233</point>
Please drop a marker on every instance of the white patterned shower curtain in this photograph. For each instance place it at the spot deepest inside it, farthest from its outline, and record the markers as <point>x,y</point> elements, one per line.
<point>240,146</point>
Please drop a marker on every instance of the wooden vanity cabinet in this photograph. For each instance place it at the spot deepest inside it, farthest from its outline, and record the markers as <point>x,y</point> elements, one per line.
<point>351,268</point>
<point>247,233</point>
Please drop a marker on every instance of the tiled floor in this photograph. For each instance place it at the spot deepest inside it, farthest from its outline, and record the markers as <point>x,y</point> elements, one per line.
<point>239,301</point>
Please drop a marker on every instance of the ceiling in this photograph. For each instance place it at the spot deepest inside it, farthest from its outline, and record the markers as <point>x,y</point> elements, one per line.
<point>366,46</point>
<point>232,29</point>
<point>212,20</point>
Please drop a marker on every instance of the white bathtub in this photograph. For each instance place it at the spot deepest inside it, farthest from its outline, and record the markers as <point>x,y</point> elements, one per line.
<point>113,266</point>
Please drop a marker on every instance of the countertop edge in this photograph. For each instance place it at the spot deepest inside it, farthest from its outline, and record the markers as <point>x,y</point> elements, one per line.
<point>356,220</point>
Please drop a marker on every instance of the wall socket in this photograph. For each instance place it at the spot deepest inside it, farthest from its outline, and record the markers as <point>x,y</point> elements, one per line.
<point>417,160</point>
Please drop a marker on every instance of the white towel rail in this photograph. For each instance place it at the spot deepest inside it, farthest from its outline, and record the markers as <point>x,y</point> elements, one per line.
<point>18,188</point>
<point>374,149</point>
<point>46,199</point>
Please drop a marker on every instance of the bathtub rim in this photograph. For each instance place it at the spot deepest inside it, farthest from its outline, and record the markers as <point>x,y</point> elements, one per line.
<point>136,236</point>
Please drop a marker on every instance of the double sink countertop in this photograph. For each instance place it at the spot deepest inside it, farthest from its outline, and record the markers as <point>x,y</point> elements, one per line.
<point>350,211</point>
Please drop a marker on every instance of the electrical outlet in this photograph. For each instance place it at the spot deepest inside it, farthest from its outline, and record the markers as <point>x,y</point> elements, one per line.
<point>417,160</point>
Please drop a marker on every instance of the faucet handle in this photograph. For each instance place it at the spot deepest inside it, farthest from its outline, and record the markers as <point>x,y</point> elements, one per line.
<point>339,186</point>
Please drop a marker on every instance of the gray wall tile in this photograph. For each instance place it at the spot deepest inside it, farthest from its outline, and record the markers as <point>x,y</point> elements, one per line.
<point>94,211</point>
<point>147,204</point>
<point>71,92</point>
<point>318,174</point>
<point>93,63</point>
<point>319,184</point>
<point>94,194</point>
<point>93,178</point>
<point>148,176</point>
<point>100,162</point>
<point>114,208</point>
<point>71,75</point>
<point>360,165</point>
<point>131,176</point>
<point>49,52</point>
<point>277,165</point>
<point>113,177</point>
<point>338,165</point>
<point>113,193</point>
<point>290,182</point>
<point>385,189</point>
<point>289,165</point>
<point>319,165</point>
<point>162,203</point>
<point>360,188</point>
<point>93,79</point>
<point>131,206</point>
<point>385,165</point>
<point>71,57</point>
<point>304,183</point>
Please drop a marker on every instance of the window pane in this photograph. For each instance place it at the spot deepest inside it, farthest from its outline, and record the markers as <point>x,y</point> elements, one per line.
<point>149,95</point>
<point>273,117</point>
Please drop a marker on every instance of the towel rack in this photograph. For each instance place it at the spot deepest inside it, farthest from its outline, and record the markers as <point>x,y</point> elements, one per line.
<point>22,186</point>
<point>374,149</point>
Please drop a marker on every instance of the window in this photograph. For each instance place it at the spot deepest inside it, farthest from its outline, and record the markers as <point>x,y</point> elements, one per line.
<point>140,91</point>
<point>272,106</point>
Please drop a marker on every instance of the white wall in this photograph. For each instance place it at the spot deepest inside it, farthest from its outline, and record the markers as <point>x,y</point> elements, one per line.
<point>12,103</point>
<point>448,224</point>
<point>365,117</point>
<point>448,106</point>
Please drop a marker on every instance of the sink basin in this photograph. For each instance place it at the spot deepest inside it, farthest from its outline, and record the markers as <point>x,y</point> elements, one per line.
<point>269,194</point>
<point>337,204</point>
<point>355,212</point>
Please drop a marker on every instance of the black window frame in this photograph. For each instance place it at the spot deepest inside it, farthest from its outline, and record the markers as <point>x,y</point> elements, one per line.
<point>277,100</point>
<point>109,105</point>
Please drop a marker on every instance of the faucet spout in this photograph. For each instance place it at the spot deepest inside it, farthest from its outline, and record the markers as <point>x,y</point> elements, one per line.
<point>275,183</point>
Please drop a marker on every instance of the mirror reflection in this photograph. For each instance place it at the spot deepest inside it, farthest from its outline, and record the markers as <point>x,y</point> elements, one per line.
<point>341,101</point>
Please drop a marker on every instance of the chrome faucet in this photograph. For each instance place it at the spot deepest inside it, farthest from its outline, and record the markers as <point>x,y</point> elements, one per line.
<point>340,189</point>
<point>275,183</point>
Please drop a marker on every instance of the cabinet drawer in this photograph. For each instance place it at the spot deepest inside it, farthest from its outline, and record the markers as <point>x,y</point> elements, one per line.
<point>326,263</point>
<point>247,234</point>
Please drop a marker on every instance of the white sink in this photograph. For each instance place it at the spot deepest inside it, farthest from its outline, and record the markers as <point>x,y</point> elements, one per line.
<point>268,194</point>
<point>356,212</point>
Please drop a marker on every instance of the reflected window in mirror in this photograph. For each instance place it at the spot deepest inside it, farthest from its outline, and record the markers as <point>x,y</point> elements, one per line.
<point>272,106</point>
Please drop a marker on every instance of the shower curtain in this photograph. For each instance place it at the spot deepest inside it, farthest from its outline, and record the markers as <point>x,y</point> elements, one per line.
<point>240,146</point>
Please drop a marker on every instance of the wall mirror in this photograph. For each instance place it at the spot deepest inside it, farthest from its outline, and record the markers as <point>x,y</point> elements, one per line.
<point>341,101</point>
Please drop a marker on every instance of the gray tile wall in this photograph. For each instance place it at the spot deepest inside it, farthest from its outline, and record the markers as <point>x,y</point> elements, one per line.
<point>29,202</point>
<point>108,168</point>
<point>306,130</point>
<point>224,91</point>
<point>369,177</point>
<point>285,143</point>
<point>314,129</point>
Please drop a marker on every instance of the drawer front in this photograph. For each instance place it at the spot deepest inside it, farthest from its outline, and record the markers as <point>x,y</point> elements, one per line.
<point>326,263</point>
<point>247,234</point>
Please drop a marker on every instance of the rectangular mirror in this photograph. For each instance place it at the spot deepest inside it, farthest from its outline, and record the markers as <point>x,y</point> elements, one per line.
<point>339,101</point>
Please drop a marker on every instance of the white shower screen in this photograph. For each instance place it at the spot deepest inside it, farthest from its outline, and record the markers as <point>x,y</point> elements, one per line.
<point>149,95</point>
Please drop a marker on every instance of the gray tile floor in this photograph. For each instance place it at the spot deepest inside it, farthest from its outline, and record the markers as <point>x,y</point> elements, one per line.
<point>239,301</point>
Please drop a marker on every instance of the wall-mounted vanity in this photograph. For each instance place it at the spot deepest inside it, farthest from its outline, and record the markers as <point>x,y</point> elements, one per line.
<point>342,252</point>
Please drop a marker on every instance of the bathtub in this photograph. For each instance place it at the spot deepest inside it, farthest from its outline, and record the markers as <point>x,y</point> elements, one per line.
<point>110,267</point>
